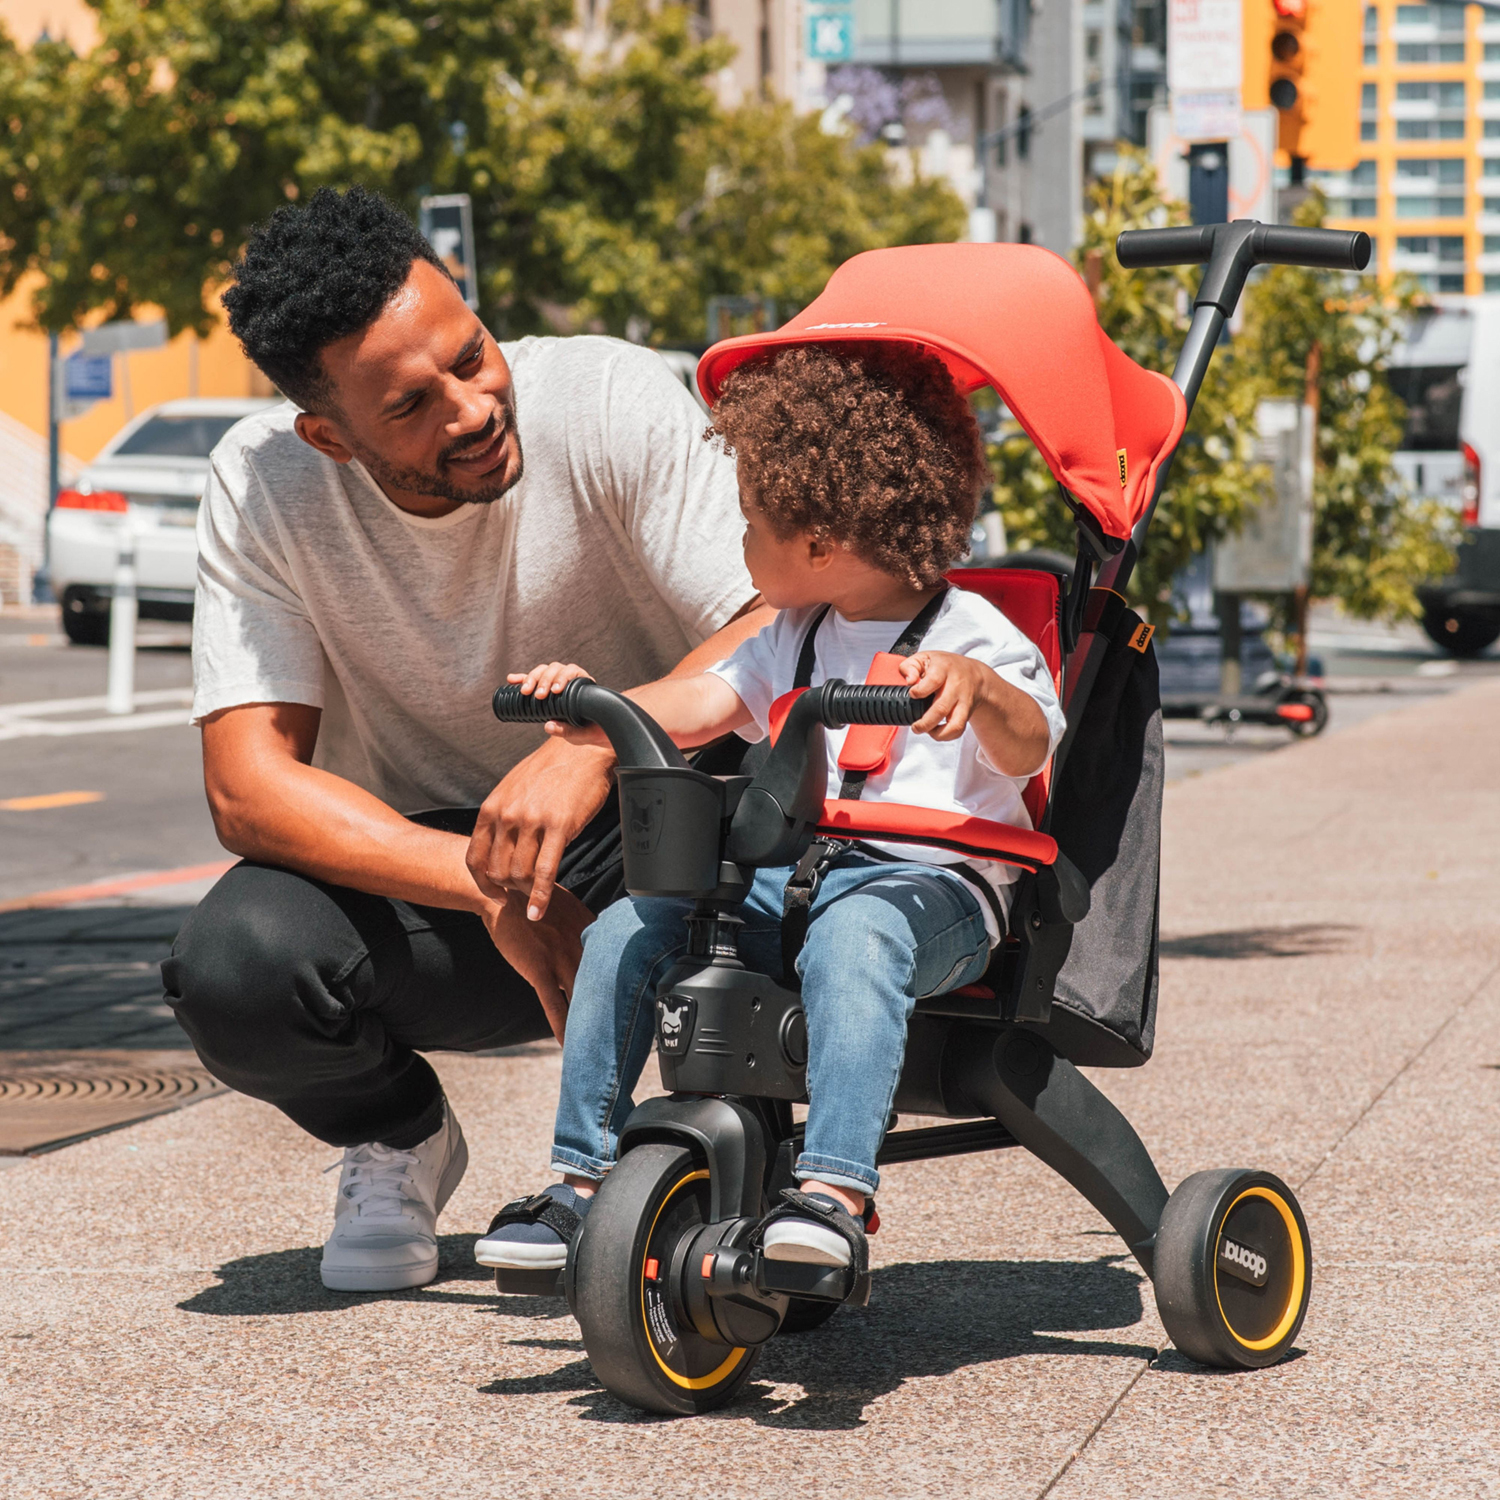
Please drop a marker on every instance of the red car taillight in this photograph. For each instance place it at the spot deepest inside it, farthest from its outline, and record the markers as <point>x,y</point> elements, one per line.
<point>1470,490</point>
<point>111,500</point>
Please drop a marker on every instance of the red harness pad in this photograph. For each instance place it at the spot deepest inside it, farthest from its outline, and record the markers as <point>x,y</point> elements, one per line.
<point>867,747</point>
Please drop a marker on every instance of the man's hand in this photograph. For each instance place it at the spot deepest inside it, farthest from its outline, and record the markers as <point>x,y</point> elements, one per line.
<point>544,953</point>
<point>530,819</point>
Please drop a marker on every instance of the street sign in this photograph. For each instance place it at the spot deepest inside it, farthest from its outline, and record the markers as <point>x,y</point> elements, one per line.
<point>82,380</point>
<point>88,377</point>
<point>121,337</point>
<point>447,225</point>
<point>1204,68</point>
<point>830,33</point>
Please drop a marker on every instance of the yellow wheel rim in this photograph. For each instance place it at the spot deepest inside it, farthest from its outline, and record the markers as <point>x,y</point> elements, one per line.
<point>687,1382</point>
<point>1299,1268</point>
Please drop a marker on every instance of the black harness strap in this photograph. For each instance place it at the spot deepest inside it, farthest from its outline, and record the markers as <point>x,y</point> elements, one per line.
<point>802,887</point>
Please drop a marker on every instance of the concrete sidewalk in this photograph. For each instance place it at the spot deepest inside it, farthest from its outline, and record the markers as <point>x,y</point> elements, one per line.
<point>1330,1011</point>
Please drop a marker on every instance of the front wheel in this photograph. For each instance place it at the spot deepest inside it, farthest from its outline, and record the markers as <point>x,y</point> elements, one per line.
<point>1233,1268</point>
<point>628,1265</point>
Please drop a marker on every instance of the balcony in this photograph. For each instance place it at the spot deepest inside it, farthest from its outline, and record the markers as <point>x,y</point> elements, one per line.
<point>939,33</point>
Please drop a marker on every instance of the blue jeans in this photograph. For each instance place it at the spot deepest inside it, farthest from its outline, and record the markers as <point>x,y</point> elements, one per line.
<point>880,936</point>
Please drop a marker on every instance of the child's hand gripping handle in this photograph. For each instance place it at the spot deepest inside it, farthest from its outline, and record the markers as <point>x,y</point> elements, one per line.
<point>638,740</point>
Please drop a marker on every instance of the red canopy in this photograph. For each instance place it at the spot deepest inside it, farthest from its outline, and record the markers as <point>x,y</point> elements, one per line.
<point>1020,319</point>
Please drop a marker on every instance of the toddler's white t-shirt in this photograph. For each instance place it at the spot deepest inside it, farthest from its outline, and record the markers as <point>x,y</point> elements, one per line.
<point>955,776</point>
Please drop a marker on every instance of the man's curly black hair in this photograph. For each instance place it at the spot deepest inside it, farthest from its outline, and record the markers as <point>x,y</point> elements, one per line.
<point>313,273</point>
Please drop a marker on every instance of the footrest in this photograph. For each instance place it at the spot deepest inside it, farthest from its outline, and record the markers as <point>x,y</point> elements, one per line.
<point>510,1282</point>
<point>821,1283</point>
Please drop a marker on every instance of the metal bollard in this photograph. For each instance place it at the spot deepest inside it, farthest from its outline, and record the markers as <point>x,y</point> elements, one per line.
<point>120,697</point>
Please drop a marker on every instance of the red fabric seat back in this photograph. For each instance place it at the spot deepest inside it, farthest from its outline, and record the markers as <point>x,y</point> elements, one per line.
<point>1028,598</point>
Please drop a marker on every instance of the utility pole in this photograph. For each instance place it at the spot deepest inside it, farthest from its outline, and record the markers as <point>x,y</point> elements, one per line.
<point>41,585</point>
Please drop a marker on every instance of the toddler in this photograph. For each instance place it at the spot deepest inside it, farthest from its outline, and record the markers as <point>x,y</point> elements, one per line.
<point>859,472</point>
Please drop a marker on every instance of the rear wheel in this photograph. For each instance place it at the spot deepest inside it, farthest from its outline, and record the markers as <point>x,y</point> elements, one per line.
<point>1233,1268</point>
<point>84,623</point>
<point>1461,632</point>
<point>1317,704</point>
<point>629,1266</point>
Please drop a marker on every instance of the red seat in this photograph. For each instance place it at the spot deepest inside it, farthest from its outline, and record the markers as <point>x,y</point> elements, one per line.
<point>1028,598</point>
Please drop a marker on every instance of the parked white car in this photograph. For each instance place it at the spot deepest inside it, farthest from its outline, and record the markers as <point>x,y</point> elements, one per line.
<point>149,477</point>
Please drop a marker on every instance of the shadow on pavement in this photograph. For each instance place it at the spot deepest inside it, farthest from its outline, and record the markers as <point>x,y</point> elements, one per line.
<point>85,977</point>
<point>1301,940</point>
<point>924,1320</point>
<point>285,1282</point>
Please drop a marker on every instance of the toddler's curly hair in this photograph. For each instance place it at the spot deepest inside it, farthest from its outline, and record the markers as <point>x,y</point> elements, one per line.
<point>868,445</point>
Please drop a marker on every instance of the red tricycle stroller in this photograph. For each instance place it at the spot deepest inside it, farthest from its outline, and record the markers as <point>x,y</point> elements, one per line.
<point>671,1292</point>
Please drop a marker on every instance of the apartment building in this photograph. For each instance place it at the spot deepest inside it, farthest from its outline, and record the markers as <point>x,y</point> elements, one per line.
<point>1427,188</point>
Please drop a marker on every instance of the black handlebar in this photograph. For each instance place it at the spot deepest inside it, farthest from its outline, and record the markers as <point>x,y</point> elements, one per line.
<point>637,738</point>
<point>848,703</point>
<point>1270,244</point>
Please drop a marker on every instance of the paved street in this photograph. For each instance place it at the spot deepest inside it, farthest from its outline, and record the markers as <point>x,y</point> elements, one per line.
<point>1330,1011</point>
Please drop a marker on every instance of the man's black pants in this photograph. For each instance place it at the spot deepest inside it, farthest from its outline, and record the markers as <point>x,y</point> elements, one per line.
<point>319,999</point>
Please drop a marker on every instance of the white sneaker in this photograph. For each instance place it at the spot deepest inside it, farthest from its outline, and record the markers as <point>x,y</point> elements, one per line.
<point>385,1223</point>
<point>806,1241</point>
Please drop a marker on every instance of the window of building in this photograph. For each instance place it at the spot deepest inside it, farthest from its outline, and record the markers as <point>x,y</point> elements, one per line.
<point>1491,167</point>
<point>1492,244</point>
<point>1361,208</point>
<point>1492,89</point>
<point>1447,247</point>
<point>1446,18</point>
<point>1429,187</point>
<point>1492,283</point>
<point>1492,128</point>
<point>1372,20</point>
<point>1371,54</point>
<point>1492,51</point>
<point>1368,96</point>
<point>1430,52</point>
<point>1363,174</point>
<point>1093,71</point>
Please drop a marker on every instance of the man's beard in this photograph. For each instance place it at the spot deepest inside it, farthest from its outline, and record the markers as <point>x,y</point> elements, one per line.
<point>437,484</point>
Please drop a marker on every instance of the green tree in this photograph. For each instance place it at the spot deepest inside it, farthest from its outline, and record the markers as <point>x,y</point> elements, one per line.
<point>1372,542</point>
<point>605,187</point>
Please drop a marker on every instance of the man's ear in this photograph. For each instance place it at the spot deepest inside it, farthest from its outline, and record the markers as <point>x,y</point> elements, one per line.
<point>323,434</point>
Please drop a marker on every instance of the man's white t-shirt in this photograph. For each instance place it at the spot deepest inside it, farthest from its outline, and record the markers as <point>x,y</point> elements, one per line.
<point>952,776</point>
<point>619,549</point>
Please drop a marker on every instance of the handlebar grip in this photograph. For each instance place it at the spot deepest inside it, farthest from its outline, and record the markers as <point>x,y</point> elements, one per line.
<point>848,703</point>
<point>512,706</point>
<point>1186,245</point>
<point>1330,249</point>
<point>1270,244</point>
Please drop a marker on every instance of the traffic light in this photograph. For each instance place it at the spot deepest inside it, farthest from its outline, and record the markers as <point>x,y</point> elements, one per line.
<point>1302,58</point>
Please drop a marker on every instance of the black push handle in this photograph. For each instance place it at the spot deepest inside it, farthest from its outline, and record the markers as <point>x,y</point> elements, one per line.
<point>1270,244</point>
<point>1231,250</point>
<point>638,740</point>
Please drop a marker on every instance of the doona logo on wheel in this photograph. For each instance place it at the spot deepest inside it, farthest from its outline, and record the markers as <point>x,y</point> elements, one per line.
<point>1240,1260</point>
<point>674,1024</point>
<point>643,819</point>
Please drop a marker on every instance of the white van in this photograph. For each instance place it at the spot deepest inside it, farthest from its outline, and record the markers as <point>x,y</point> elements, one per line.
<point>149,476</point>
<point>1448,373</point>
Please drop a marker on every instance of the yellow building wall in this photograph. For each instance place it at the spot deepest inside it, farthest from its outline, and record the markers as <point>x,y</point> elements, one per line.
<point>186,367</point>
<point>1381,67</point>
